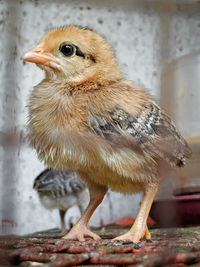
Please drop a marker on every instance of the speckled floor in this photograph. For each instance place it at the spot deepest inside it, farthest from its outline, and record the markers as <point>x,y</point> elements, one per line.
<point>170,247</point>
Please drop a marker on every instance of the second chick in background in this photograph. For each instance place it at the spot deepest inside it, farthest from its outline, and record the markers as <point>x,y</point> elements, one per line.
<point>61,190</point>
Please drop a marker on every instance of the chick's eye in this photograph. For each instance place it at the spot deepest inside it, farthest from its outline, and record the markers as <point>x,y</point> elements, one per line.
<point>67,50</point>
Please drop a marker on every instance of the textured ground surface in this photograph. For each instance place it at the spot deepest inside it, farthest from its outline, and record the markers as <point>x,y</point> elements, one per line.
<point>170,247</point>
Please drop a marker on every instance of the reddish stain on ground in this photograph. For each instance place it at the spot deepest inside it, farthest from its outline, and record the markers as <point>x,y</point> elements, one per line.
<point>5,223</point>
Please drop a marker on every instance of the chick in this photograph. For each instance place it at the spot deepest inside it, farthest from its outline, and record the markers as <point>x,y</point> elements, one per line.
<point>61,190</point>
<point>85,116</point>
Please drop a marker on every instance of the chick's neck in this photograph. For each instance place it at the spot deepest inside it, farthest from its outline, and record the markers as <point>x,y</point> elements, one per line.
<point>93,82</point>
<point>83,86</point>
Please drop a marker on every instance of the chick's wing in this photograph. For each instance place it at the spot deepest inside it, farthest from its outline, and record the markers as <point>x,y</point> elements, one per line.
<point>148,130</point>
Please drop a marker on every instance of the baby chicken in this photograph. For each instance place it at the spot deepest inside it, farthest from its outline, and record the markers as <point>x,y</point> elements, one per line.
<point>85,116</point>
<point>61,190</point>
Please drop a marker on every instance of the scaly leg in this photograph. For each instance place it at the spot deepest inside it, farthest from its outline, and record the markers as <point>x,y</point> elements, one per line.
<point>62,220</point>
<point>147,234</point>
<point>80,229</point>
<point>139,228</point>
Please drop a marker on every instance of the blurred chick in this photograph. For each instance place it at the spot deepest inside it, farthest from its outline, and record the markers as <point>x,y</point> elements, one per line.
<point>61,190</point>
<point>85,116</point>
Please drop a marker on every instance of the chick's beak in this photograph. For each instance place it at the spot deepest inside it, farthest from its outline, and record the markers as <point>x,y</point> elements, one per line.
<point>38,56</point>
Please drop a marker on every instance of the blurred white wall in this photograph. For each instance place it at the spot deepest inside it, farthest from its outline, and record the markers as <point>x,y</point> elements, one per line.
<point>146,35</point>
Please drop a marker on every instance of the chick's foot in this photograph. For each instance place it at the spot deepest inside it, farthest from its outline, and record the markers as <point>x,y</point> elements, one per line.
<point>135,236</point>
<point>78,232</point>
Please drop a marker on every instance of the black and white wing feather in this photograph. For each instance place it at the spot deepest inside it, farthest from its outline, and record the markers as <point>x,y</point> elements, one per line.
<point>150,131</point>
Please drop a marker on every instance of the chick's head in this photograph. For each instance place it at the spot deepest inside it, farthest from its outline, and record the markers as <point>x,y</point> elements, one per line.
<point>75,54</point>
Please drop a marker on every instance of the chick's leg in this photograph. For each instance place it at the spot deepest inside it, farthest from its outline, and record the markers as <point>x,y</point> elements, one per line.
<point>62,220</point>
<point>139,228</point>
<point>147,234</point>
<point>80,229</point>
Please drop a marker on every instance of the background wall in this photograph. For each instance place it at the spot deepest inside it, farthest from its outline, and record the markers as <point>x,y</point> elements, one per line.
<point>146,35</point>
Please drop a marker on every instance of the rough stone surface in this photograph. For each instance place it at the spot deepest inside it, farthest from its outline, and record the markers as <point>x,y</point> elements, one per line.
<point>169,247</point>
